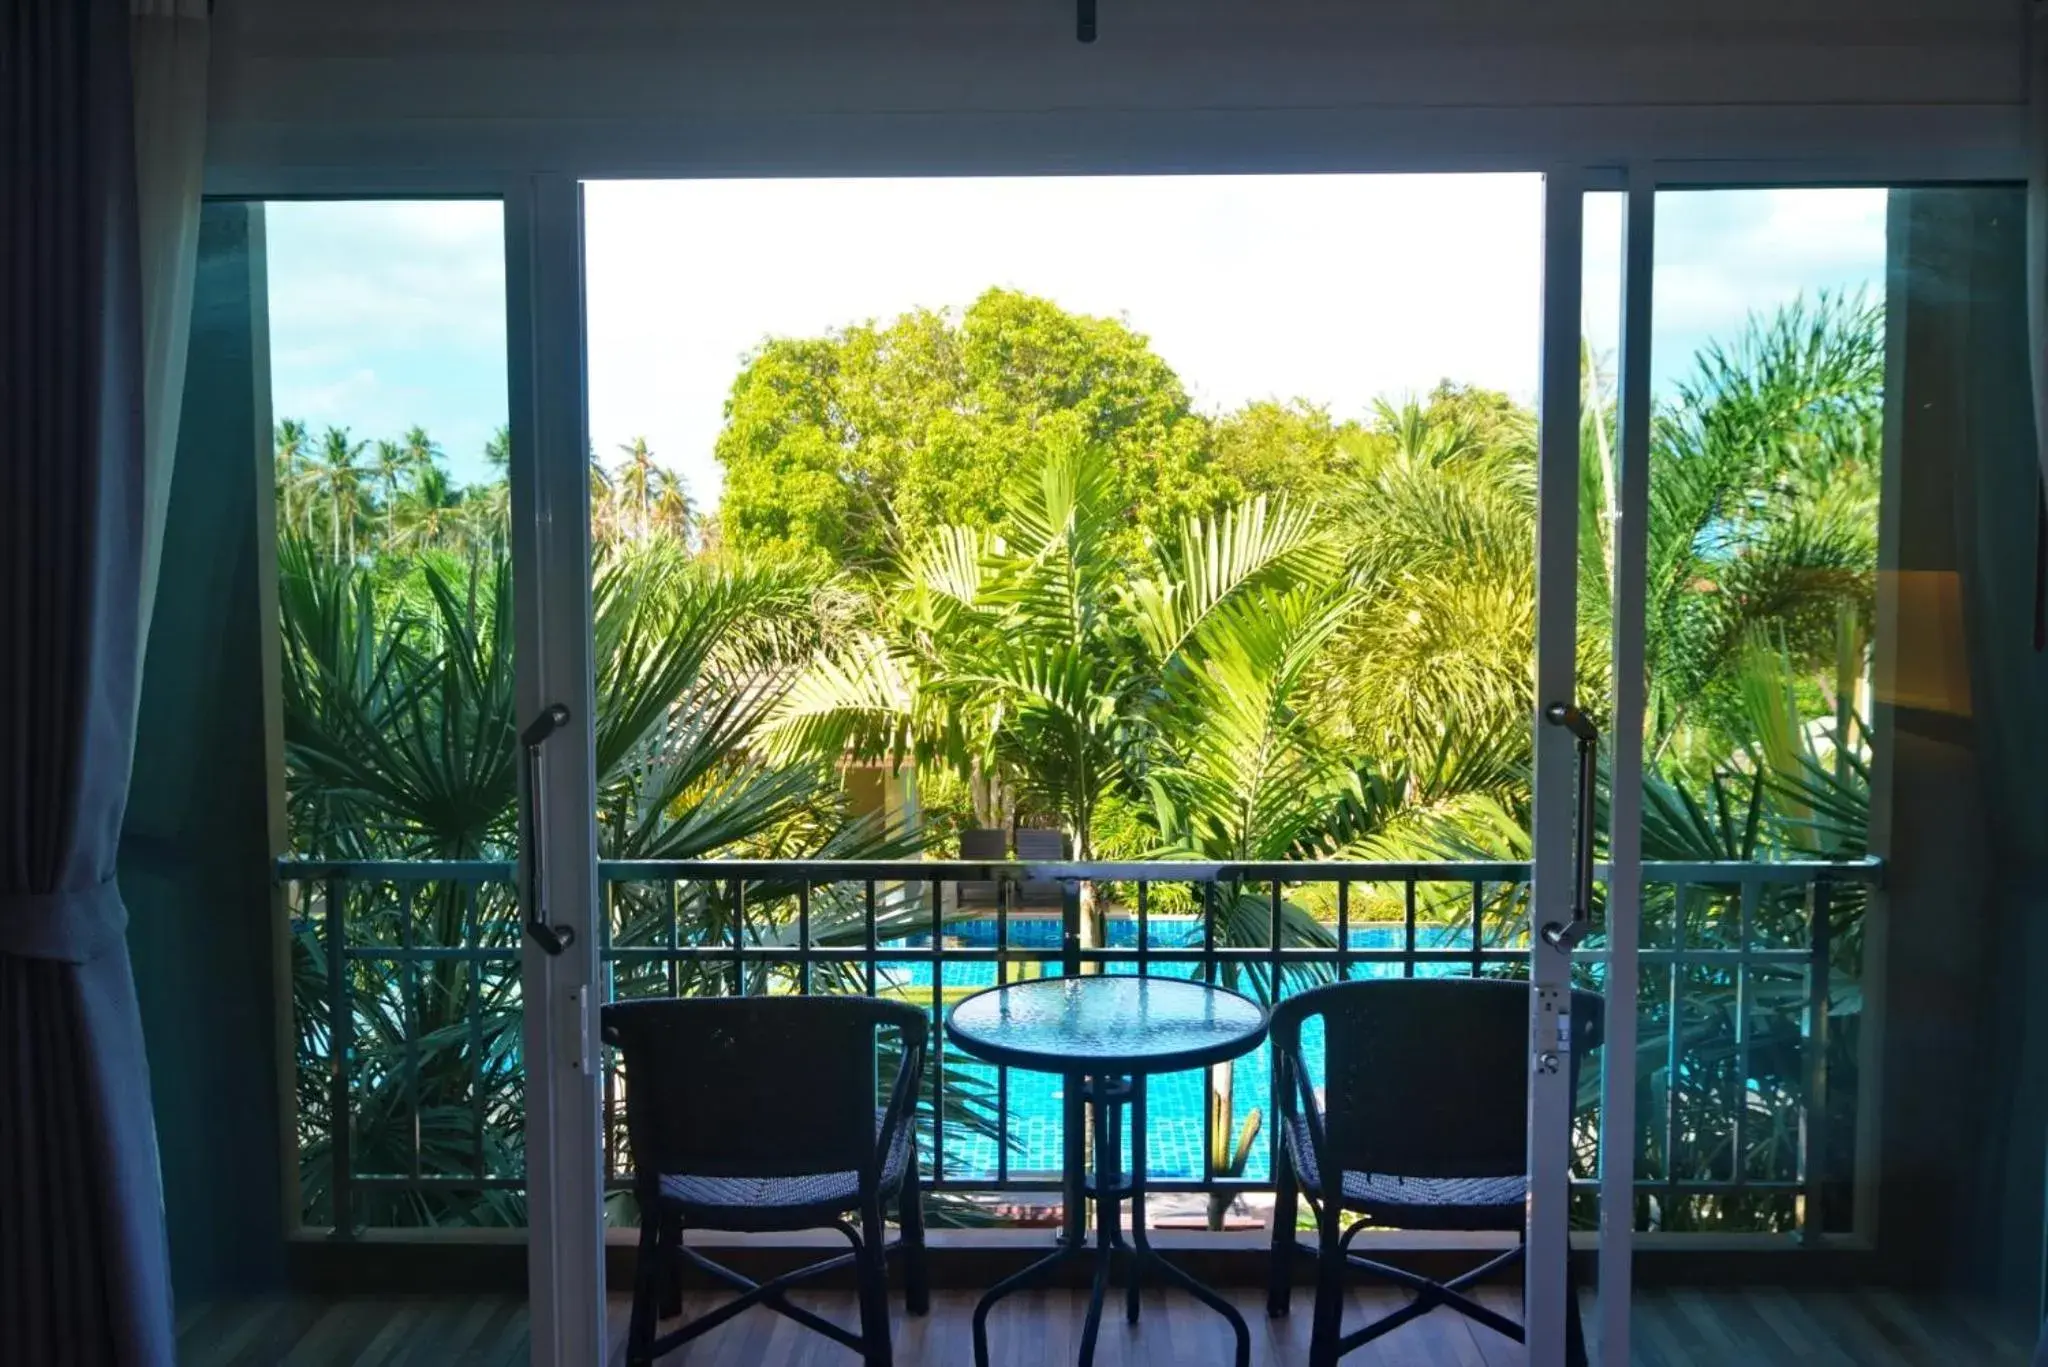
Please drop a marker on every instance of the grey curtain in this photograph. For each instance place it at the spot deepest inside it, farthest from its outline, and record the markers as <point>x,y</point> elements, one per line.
<point>83,1269</point>
<point>2037,235</point>
<point>2037,317</point>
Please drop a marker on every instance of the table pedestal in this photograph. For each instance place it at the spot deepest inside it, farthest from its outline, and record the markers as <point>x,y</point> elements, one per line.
<point>1108,1188</point>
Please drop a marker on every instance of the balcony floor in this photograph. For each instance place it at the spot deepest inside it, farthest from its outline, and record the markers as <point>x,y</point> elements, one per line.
<point>1760,1327</point>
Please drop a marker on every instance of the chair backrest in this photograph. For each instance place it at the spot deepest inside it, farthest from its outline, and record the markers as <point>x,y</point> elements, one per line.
<point>754,1086</point>
<point>984,845</point>
<point>1428,1077</point>
<point>1040,845</point>
<point>981,845</point>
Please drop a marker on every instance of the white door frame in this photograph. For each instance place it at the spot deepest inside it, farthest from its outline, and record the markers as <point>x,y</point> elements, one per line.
<point>1553,806</point>
<point>1625,769</point>
<point>1551,1101</point>
<point>552,631</point>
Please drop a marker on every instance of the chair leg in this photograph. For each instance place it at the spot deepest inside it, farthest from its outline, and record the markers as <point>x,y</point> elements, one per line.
<point>917,1296</point>
<point>646,1290</point>
<point>1286,1209</point>
<point>1330,1264</point>
<point>872,1263</point>
<point>672,1267</point>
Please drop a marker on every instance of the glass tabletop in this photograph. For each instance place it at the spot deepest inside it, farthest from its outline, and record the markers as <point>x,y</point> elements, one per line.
<point>1115,1024</point>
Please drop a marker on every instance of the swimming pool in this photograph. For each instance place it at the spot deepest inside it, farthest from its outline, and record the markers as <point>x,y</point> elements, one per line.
<point>1176,1102</point>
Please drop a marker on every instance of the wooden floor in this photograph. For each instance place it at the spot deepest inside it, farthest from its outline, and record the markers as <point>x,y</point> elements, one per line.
<point>1701,1328</point>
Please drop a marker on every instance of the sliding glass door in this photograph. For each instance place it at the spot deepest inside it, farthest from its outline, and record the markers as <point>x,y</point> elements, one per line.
<point>418,364</point>
<point>736,639</point>
<point>377,332</point>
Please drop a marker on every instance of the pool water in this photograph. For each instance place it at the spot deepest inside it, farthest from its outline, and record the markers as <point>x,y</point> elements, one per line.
<point>1176,1105</point>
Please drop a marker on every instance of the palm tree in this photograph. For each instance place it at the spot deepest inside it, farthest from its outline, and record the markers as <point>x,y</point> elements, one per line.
<point>420,449</point>
<point>1763,518</point>
<point>489,505</point>
<point>429,514</point>
<point>1039,655</point>
<point>292,445</point>
<point>1436,535</point>
<point>604,510</point>
<point>1764,482</point>
<point>638,480</point>
<point>674,514</point>
<point>1249,767</point>
<point>498,449</point>
<point>390,467</point>
<point>337,476</point>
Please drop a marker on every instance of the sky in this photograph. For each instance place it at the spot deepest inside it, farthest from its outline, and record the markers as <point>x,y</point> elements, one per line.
<point>1333,289</point>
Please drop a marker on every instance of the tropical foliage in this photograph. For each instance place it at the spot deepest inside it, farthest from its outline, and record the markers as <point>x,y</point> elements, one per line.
<point>1004,550</point>
<point>382,503</point>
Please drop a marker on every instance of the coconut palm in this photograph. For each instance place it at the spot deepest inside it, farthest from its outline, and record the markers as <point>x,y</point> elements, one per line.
<point>292,446</point>
<point>498,449</point>
<point>604,503</point>
<point>389,467</point>
<point>637,481</point>
<point>673,514</point>
<point>335,475</point>
<point>420,449</point>
<point>428,514</point>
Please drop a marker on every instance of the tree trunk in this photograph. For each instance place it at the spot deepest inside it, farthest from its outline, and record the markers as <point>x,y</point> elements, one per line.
<point>981,792</point>
<point>1094,912</point>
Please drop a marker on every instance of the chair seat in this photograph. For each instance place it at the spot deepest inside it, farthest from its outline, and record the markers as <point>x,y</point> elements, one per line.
<point>800,1202</point>
<point>1416,1202</point>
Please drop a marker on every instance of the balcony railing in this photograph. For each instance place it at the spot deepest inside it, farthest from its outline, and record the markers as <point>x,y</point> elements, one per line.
<point>407,1010</point>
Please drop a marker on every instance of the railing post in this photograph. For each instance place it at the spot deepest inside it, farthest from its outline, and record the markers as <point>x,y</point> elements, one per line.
<point>803,937</point>
<point>1813,1115</point>
<point>938,1046</point>
<point>340,1044</point>
<point>739,937</point>
<point>1277,913</point>
<point>1070,927</point>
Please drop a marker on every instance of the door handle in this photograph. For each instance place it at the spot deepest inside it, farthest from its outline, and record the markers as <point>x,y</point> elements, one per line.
<point>539,925</point>
<point>1586,739</point>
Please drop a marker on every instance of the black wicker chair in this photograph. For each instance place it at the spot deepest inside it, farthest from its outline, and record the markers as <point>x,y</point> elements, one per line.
<point>759,1114</point>
<point>1423,1124</point>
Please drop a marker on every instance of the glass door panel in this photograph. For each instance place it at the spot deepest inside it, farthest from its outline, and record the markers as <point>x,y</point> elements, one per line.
<point>386,364</point>
<point>1768,372</point>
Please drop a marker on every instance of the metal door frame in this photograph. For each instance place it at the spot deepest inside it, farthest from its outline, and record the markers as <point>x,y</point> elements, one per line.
<point>1552,815</point>
<point>1552,806</point>
<point>553,661</point>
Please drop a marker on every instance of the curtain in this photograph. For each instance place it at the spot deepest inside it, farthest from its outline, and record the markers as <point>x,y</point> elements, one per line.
<point>2037,317</point>
<point>170,41</point>
<point>84,1275</point>
<point>2037,224</point>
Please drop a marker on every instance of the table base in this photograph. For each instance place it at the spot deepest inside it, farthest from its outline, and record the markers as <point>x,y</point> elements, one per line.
<point>1108,1189</point>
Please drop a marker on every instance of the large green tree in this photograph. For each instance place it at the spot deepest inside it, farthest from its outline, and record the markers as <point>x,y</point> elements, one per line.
<point>857,444</point>
<point>1292,448</point>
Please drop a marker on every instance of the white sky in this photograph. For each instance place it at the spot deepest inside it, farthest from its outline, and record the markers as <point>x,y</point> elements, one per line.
<point>1332,288</point>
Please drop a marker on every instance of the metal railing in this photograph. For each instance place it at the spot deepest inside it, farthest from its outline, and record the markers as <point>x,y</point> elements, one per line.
<point>407,1005</point>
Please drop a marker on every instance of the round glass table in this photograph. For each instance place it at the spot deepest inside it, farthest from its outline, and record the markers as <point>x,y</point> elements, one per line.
<point>1105,1035</point>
